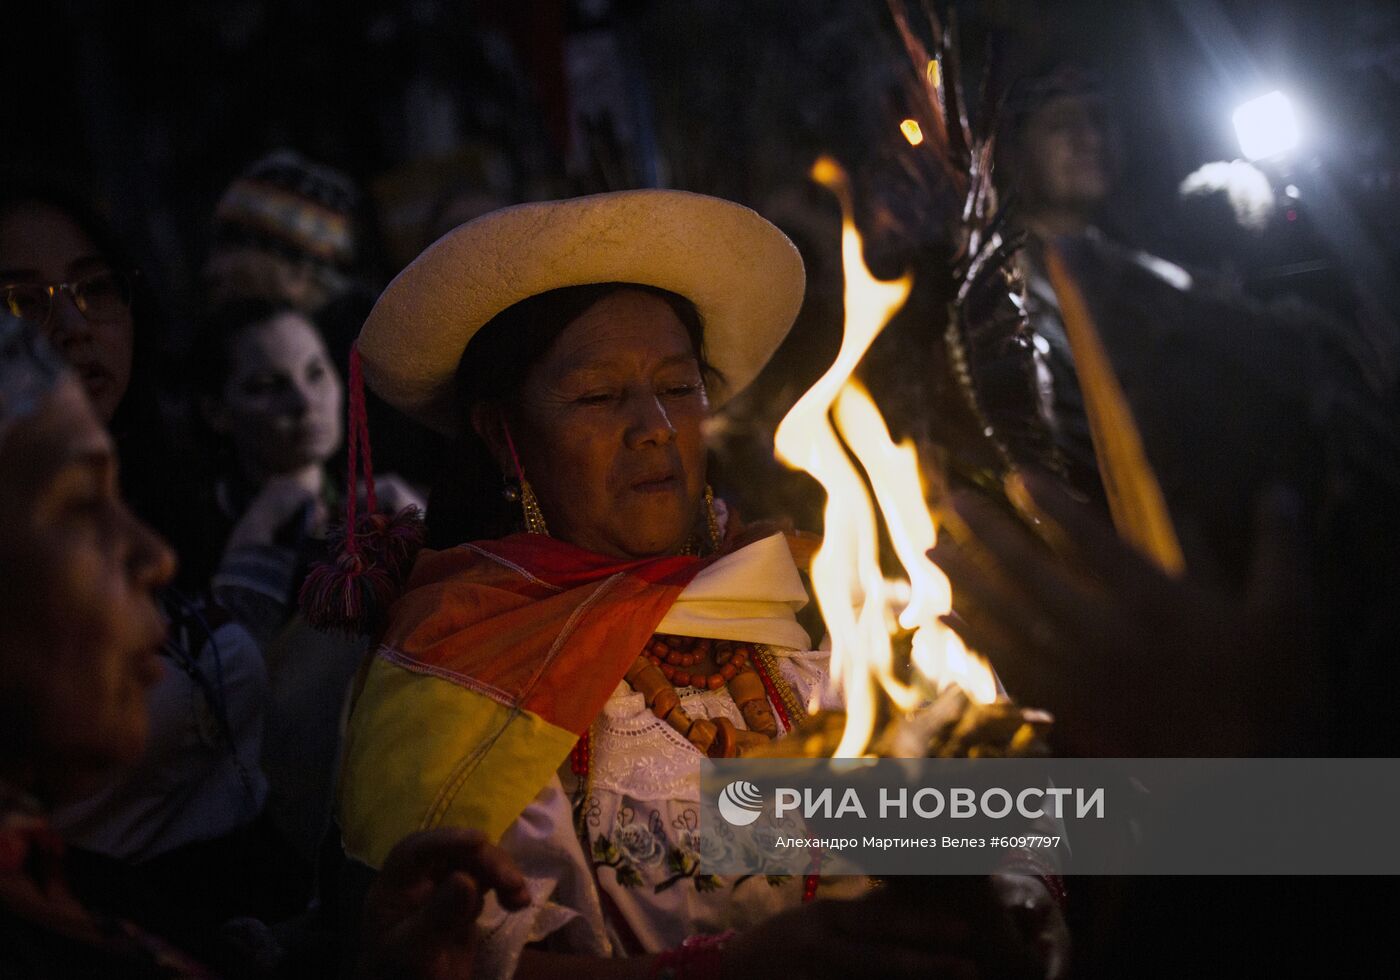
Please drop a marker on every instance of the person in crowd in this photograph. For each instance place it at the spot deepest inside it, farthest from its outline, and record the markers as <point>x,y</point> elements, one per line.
<point>49,237</point>
<point>189,809</point>
<point>593,624</point>
<point>80,627</point>
<point>1058,160</point>
<point>1061,153</point>
<point>293,233</point>
<point>1259,393</point>
<point>271,400</point>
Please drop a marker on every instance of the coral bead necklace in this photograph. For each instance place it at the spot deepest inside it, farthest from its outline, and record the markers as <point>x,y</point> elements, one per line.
<point>668,662</point>
<point>676,654</point>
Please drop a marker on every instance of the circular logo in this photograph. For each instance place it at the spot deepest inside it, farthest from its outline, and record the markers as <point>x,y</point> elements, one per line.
<point>740,803</point>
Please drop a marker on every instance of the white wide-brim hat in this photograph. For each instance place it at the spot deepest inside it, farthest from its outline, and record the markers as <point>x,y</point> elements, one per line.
<point>743,275</point>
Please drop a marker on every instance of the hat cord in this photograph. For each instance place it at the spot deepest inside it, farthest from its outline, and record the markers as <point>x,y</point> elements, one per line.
<point>514,456</point>
<point>358,442</point>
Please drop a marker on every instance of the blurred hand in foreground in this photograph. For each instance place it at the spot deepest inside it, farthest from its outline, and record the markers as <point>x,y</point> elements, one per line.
<point>1130,660</point>
<point>420,915</point>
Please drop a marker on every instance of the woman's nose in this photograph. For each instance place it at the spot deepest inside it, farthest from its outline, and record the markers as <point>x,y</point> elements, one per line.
<point>66,325</point>
<point>298,402</point>
<point>1088,138</point>
<point>151,561</point>
<point>651,425</point>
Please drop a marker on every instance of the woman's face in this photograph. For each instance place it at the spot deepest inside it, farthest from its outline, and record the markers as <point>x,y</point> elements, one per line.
<point>41,244</point>
<point>609,429</point>
<point>280,404</point>
<point>79,625</point>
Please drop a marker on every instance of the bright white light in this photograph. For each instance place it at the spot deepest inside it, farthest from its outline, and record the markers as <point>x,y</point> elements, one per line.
<point>1266,126</point>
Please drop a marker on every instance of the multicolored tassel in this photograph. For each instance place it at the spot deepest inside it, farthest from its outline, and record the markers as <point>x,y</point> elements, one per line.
<point>374,552</point>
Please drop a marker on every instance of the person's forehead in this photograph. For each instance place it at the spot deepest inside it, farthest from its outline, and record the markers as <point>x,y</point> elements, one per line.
<point>622,328</point>
<point>37,239</point>
<point>1067,107</point>
<point>285,337</point>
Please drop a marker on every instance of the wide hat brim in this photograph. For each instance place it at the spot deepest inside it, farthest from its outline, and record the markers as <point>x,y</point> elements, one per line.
<point>743,275</point>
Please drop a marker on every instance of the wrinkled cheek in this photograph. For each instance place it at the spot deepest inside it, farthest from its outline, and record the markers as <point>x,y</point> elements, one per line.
<point>693,451</point>
<point>580,473</point>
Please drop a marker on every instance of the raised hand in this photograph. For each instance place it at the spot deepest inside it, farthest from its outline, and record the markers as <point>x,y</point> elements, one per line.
<point>285,509</point>
<point>1130,660</point>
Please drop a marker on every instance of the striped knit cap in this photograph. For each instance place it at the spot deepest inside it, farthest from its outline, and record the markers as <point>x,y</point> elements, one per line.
<point>287,204</point>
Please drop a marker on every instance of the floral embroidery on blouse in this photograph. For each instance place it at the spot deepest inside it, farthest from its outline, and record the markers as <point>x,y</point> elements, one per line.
<point>644,852</point>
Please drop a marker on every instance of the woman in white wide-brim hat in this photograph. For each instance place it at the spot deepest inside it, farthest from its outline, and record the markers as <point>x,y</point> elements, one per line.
<point>592,626</point>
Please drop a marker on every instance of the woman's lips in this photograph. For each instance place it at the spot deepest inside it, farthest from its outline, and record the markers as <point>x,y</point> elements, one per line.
<point>656,484</point>
<point>309,434</point>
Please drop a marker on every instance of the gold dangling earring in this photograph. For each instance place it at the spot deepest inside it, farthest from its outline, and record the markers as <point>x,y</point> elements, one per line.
<point>534,517</point>
<point>520,489</point>
<point>712,519</point>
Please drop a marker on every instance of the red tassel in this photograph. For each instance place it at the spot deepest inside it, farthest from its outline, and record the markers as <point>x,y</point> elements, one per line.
<point>375,552</point>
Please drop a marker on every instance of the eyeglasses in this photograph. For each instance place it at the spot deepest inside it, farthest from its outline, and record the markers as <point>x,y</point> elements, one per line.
<point>100,296</point>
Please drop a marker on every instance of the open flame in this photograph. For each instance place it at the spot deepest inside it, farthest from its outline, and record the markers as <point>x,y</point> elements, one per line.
<point>863,610</point>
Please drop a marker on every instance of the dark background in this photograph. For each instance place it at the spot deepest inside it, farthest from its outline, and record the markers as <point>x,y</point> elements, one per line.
<point>152,108</point>
<point>155,107</point>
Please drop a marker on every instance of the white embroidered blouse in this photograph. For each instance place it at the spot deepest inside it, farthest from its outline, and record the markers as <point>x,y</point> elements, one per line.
<point>636,885</point>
